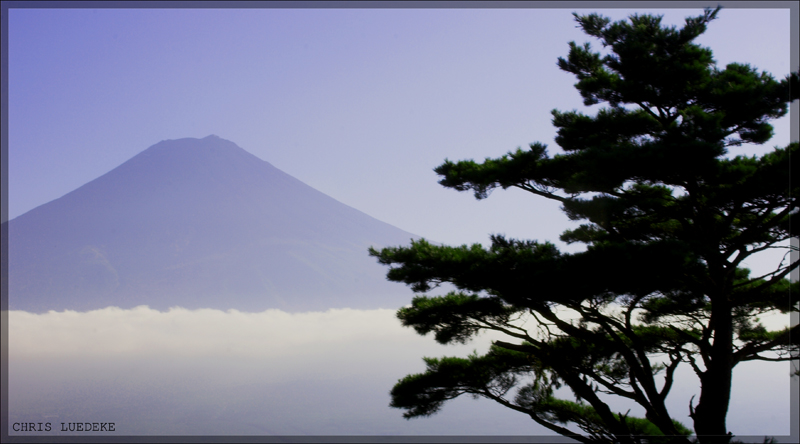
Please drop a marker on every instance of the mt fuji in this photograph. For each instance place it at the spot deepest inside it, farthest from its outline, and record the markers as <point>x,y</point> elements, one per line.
<point>198,223</point>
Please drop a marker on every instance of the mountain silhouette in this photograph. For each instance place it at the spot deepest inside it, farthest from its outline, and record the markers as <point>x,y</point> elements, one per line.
<point>198,223</point>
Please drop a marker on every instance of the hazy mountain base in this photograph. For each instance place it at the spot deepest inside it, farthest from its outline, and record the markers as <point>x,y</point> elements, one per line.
<point>201,372</point>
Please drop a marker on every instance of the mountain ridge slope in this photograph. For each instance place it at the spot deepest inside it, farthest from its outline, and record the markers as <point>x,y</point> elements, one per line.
<point>198,223</point>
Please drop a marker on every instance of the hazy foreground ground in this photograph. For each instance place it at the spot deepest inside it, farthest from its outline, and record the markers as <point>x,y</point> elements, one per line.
<point>274,373</point>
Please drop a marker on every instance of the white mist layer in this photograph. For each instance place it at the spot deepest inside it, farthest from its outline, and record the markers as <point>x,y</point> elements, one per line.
<point>276,373</point>
<point>204,332</point>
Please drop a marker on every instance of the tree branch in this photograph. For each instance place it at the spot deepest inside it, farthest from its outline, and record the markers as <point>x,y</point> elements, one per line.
<point>751,349</point>
<point>668,377</point>
<point>556,428</point>
<point>764,358</point>
<point>533,190</point>
<point>495,327</point>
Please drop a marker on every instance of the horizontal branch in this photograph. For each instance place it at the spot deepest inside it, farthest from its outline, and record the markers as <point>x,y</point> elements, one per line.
<point>749,350</point>
<point>556,428</point>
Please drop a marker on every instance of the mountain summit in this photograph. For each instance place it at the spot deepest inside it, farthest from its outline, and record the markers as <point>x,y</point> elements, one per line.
<point>198,223</point>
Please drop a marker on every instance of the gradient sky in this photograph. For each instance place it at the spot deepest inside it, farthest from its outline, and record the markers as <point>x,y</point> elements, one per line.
<point>360,104</point>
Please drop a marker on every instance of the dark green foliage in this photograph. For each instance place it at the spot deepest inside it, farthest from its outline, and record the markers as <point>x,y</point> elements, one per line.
<point>668,218</point>
<point>446,378</point>
<point>450,316</point>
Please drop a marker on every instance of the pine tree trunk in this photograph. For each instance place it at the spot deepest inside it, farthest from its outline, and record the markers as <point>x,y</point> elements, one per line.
<point>715,391</point>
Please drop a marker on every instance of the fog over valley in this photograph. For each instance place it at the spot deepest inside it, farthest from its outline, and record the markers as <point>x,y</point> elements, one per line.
<point>209,371</point>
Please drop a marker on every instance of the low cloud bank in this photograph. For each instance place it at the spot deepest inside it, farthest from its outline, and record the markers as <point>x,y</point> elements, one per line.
<point>205,332</point>
<point>229,372</point>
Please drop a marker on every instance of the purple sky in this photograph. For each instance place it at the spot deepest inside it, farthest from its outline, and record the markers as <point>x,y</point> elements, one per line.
<point>360,104</point>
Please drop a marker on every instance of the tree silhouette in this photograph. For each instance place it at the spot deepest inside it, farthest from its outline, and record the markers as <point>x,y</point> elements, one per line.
<point>669,219</point>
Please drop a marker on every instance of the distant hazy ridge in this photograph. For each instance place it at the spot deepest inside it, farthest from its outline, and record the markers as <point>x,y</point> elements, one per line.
<point>198,223</point>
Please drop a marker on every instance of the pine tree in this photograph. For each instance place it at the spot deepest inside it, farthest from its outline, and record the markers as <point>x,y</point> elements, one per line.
<point>669,218</point>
